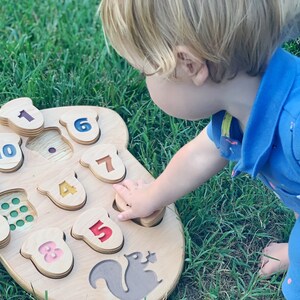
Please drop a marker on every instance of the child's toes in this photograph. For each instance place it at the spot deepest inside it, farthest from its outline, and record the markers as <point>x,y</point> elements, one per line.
<point>274,259</point>
<point>265,270</point>
<point>264,257</point>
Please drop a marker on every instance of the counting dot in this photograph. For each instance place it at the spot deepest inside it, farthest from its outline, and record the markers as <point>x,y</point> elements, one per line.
<point>52,150</point>
<point>53,254</point>
<point>289,281</point>
<point>15,201</point>
<point>5,206</point>
<point>12,227</point>
<point>13,213</point>
<point>29,218</point>
<point>20,223</point>
<point>23,208</point>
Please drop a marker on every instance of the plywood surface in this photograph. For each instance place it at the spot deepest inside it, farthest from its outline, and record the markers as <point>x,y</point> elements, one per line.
<point>57,200</point>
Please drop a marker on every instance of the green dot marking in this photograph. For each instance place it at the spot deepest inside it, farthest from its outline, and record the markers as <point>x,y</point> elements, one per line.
<point>5,206</point>
<point>20,223</point>
<point>29,218</point>
<point>12,227</point>
<point>23,208</point>
<point>15,201</point>
<point>13,213</point>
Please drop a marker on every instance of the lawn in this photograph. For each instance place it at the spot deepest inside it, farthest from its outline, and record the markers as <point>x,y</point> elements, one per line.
<point>54,52</point>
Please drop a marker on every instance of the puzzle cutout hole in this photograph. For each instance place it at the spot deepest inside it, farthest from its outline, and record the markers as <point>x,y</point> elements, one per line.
<point>16,209</point>
<point>51,145</point>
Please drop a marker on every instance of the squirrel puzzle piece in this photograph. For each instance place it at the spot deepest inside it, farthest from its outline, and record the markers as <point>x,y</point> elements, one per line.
<point>4,232</point>
<point>64,190</point>
<point>49,252</point>
<point>11,156</point>
<point>139,282</point>
<point>149,221</point>
<point>82,126</point>
<point>96,228</point>
<point>22,116</point>
<point>104,162</point>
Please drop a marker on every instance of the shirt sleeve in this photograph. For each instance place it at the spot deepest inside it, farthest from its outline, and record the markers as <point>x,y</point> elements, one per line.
<point>214,128</point>
<point>235,134</point>
<point>209,131</point>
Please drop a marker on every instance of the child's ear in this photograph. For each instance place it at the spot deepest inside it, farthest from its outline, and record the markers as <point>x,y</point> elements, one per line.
<point>193,67</point>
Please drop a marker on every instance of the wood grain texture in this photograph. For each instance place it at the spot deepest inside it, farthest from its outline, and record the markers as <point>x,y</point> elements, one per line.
<point>31,214</point>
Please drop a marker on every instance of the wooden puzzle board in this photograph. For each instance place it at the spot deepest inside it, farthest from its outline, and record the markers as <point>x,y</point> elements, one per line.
<point>130,262</point>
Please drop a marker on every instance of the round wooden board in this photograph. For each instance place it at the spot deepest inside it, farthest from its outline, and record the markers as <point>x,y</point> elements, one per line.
<point>159,250</point>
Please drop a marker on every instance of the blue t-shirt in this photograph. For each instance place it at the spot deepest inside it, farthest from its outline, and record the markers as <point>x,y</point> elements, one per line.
<point>270,146</point>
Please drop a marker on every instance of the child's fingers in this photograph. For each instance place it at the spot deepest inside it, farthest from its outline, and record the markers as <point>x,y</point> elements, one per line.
<point>129,184</point>
<point>140,182</point>
<point>126,215</point>
<point>121,190</point>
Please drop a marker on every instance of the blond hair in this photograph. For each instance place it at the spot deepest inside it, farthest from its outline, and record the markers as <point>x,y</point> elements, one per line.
<point>230,35</point>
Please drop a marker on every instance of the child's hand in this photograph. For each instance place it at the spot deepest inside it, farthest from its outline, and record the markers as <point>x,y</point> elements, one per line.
<point>139,198</point>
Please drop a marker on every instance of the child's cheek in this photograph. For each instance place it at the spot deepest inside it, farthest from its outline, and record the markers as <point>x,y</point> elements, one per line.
<point>162,92</point>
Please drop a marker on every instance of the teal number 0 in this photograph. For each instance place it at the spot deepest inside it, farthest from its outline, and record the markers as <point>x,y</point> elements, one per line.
<point>9,150</point>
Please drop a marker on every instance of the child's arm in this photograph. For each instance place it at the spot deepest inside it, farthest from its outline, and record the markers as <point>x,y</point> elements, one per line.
<point>190,167</point>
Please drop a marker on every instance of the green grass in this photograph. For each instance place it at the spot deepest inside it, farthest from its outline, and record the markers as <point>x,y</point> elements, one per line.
<point>53,52</point>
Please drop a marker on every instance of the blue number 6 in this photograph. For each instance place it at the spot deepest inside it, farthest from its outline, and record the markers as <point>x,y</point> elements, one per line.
<point>82,125</point>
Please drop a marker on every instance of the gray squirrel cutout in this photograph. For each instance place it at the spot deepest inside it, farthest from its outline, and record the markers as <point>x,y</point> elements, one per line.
<point>138,281</point>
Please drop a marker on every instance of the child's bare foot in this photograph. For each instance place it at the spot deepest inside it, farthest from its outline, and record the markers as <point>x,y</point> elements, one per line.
<point>275,259</point>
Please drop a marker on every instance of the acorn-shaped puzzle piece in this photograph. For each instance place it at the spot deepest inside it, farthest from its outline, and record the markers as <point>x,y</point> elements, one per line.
<point>4,232</point>
<point>82,126</point>
<point>64,190</point>
<point>22,117</point>
<point>97,229</point>
<point>49,252</point>
<point>104,162</point>
<point>11,156</point>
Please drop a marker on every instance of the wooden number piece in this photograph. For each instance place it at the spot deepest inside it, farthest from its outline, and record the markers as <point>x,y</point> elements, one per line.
<point>22,116</point>
<point>49,252</point>
<point>4,232</point>
<point>11,157</point>
<point>149,221</point>
<point>82,126</point>
<point>64,190</point>
<point>104,162</point>
<point>96,228</point>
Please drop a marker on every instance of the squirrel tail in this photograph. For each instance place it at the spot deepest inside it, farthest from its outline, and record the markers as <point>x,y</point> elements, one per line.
<point>111,272</point>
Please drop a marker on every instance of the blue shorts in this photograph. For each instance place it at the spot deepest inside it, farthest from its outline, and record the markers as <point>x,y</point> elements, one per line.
<point>291,284</point>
